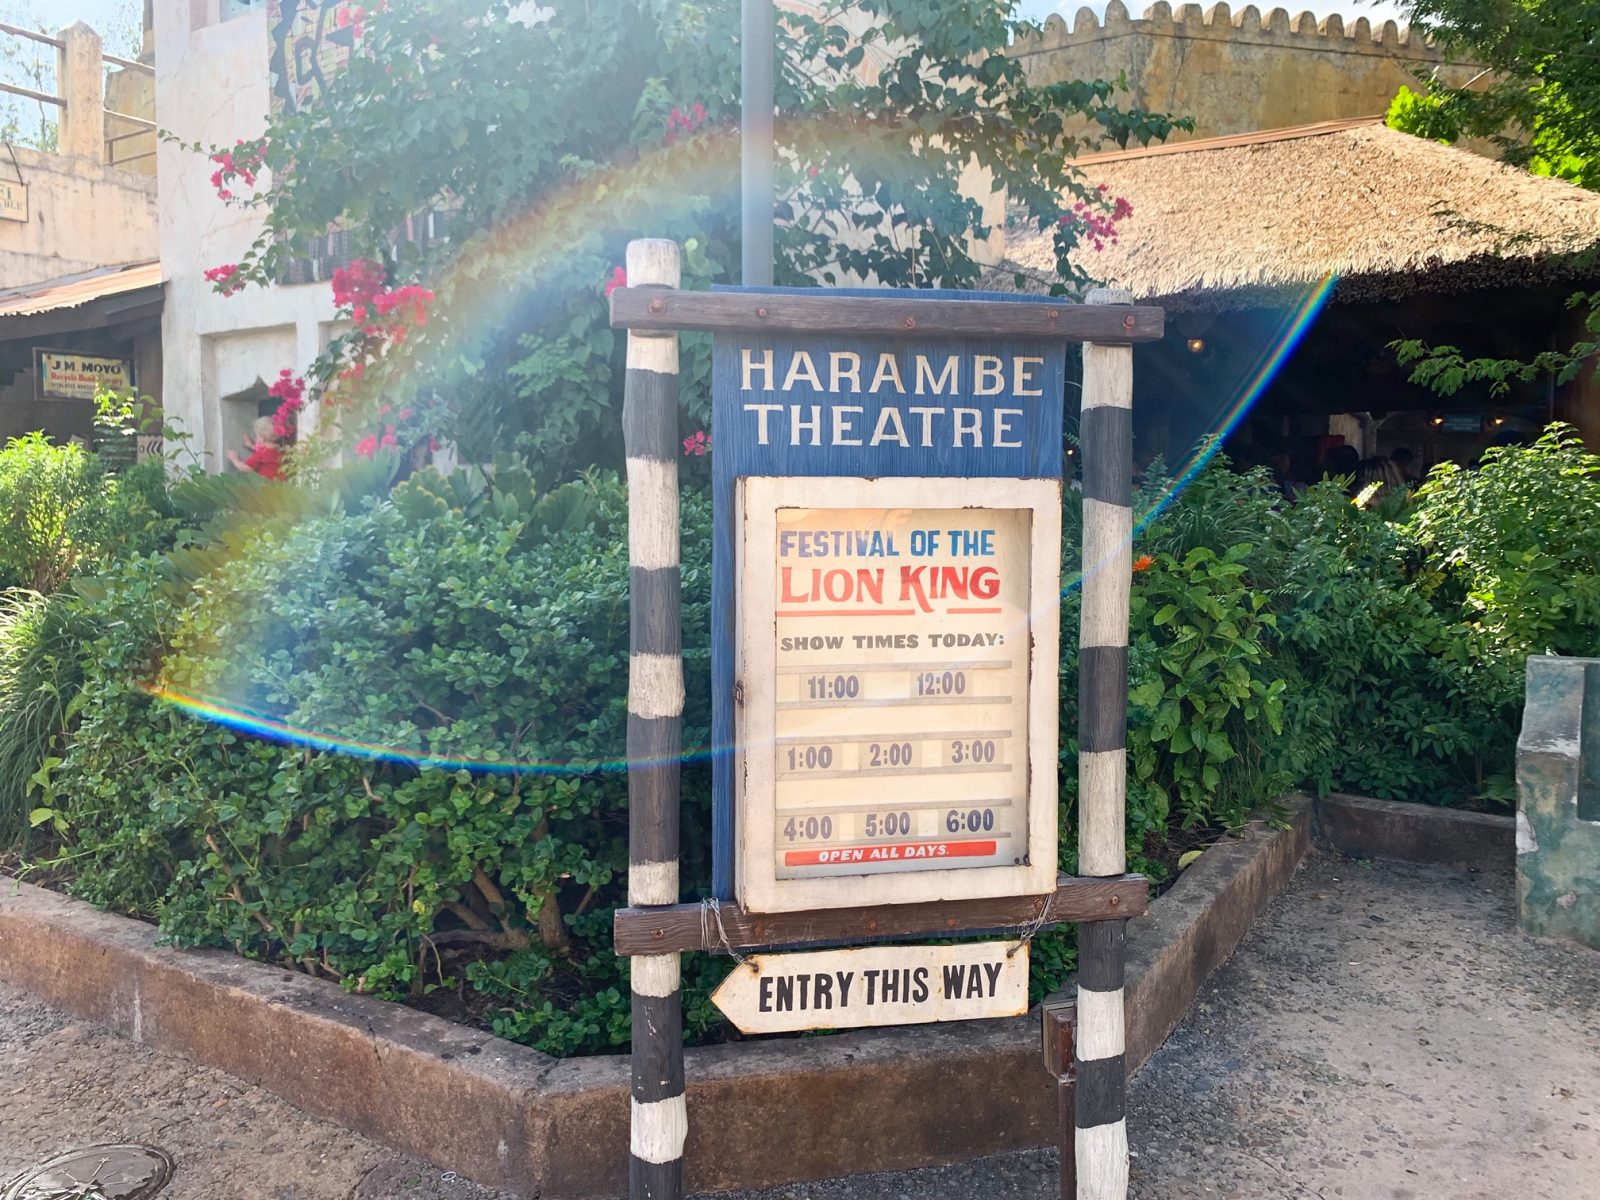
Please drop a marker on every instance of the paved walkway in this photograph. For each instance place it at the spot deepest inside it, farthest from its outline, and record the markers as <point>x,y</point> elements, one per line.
<point>1384,1033</point>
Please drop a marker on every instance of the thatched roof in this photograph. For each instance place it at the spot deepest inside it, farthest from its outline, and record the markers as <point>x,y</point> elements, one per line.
<point>1230,221</point>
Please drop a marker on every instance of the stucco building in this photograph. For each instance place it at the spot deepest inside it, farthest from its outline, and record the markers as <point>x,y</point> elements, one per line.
<point>79,283</point>
<point>213,86</point>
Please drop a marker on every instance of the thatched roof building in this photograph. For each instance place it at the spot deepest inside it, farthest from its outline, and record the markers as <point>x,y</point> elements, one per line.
<point>1236,221</point>
<point>1290,261</point>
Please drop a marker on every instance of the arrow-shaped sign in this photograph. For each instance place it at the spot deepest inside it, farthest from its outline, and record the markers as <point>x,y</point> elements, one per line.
<point>876,985</point>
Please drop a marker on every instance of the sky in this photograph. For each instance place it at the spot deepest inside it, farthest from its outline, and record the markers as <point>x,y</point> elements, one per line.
<point>108,17</point>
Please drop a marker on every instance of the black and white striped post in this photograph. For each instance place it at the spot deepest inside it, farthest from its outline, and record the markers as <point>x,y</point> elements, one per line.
<point>1106,439</point>
<point>659,1119</point>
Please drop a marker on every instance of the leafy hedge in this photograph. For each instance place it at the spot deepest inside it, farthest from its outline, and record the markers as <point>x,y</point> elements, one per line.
<point>378,736</point>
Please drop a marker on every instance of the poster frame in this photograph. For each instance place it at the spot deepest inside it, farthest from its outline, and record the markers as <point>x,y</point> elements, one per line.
<point>759,499</point>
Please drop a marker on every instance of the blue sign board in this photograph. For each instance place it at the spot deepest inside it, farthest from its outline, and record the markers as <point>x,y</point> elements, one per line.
<point>826,405</point>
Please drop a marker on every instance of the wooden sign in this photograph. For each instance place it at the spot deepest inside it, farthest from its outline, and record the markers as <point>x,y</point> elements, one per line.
<point>13,200</point>
<point>63,375</point>
<point>876,985</point>
<point>885,580</point>
<point>898,696</point>
<point>885,611</point>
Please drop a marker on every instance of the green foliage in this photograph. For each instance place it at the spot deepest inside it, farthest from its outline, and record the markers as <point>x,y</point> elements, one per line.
<point>1423,114</point>
<point>1537,97</point>
<point>441,679</point>
<point>548,145</point>
<point>410,776</point>
<point>1538,94</point>
<point>1515,544</point>
<point>40,672</point>
<point>1196,686</point>
<point>62,513</point>
<point>1445,370</point>
<point>1386,697</point>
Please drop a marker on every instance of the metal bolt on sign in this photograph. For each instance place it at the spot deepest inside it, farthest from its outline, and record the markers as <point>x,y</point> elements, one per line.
<point>120,1172</point>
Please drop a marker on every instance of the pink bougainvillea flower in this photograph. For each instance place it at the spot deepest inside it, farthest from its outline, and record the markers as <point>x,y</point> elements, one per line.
<point>697,445</point>
<point>619,279</point>
<point>367,446</point>
<point>289,390</point>
<point>226,278</point>
<point>357,282</point>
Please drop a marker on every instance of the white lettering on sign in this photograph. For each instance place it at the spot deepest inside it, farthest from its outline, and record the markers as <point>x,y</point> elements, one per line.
<point>895,704</point>
<point>764,373</point>
<point>876,985</point>
<point>802,425</point>
<point>934,375</point>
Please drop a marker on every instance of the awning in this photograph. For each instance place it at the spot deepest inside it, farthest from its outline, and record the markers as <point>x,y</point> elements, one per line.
<point>91,300</point>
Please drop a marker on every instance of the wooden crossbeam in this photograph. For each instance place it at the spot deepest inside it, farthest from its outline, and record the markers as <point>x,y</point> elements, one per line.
<point>674,928</point>
<point>646,309</point>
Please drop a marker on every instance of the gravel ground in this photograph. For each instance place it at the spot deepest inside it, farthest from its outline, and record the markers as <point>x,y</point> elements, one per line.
<point>1383,1033</point>
<point>68,1084</point>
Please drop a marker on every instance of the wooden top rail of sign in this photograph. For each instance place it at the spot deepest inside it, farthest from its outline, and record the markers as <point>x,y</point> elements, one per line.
<point>723,312</point>
<point>679,927</point>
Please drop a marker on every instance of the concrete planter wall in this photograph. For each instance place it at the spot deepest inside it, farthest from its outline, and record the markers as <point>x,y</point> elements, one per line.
<point>761,1113</point>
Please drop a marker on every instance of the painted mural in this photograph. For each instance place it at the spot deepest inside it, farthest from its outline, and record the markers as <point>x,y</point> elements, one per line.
<point>311,42</point>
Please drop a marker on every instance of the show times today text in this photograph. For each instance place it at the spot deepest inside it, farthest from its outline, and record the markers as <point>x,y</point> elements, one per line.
<point>891,641</point>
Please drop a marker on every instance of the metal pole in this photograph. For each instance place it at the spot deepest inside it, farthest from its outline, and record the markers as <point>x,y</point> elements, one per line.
<point>659,1120</point>
<point>1106,433</point>
<point>756,53</point>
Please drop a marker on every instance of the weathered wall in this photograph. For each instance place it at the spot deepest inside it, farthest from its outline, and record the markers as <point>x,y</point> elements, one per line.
<point>133,94</point>
<point>1236,72</point>
<point>212,88</point>
<point>81,215</point>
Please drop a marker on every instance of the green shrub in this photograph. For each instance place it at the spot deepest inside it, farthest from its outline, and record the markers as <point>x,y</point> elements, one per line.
<point>43,486</point>
<point>446,674</point>
<point>1197,692</point>
<point>412,771</point>
<point>1513,545</point>
<point>1391,698</point>
<point>40,672</point>
<point>63,514</point>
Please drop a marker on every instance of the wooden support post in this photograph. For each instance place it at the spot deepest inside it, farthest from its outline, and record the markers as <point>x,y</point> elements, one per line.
<point>655,730</point>
<point>1059,1019</point>
<point>1106,438</point>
